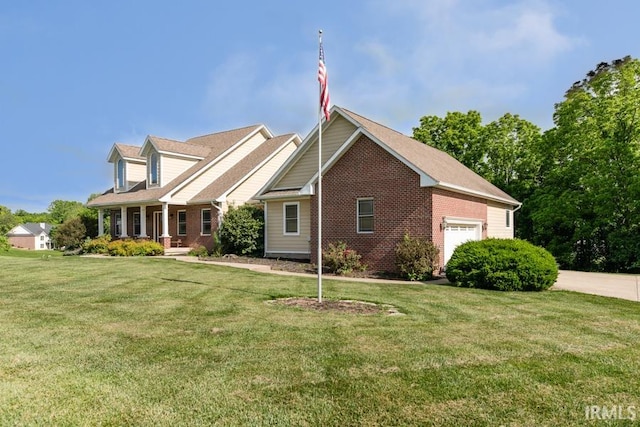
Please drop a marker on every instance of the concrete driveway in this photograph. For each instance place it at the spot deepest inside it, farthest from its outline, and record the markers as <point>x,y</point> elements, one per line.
<point>625,286</point>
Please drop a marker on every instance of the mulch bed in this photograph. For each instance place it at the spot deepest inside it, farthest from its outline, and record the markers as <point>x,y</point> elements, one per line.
<point>338,306</point>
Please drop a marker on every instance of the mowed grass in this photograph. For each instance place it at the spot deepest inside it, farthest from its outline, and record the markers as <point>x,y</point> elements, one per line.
<point>87,341</point>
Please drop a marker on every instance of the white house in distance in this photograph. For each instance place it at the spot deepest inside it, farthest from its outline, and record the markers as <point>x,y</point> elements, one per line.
<point>32,235</point>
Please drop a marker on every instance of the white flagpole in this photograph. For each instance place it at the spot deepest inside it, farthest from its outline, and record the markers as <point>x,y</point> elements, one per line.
<point>320,187</point>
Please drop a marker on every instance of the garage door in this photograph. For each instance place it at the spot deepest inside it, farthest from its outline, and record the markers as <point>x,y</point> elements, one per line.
<point>456,234</point>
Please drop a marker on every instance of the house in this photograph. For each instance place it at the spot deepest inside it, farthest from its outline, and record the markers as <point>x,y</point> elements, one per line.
<point>378,184</point>
<point>175,192</point>
<point>32,235</point>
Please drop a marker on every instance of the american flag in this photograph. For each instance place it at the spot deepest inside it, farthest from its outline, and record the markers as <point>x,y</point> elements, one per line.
<point>323,78</point>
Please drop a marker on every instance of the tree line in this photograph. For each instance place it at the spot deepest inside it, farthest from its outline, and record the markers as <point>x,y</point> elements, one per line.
<point>579,182</point>
<point>72,221</point>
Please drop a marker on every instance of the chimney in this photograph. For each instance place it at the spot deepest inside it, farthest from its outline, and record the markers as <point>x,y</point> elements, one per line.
<point>42,225</point>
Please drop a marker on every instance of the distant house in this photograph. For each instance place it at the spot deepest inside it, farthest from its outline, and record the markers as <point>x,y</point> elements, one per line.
<point>32,235</point>
<point>176,192</point>
<point>378,184</point>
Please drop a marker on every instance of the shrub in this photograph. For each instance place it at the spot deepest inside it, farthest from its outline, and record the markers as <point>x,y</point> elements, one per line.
<point>69,234</point>
<point>502,264</point>
<point>416,258</point>
<point>242,230</point>
<point>4,244</point>
<point>341,260</point>
<point>200,251</point>
<point>99,245</point>
<point>217,250</point>
<point>130,247</point>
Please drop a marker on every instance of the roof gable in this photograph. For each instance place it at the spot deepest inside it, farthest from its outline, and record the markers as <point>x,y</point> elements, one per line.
<point>30,229</point>
<point>435,167</point>
<point>127,152</point>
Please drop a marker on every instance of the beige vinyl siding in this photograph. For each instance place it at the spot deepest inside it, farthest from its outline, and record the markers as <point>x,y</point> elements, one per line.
<point>496,221</point>
<point>136,172</point>
<point>277,241</point>
<point>302,171</point>
<point>171,167</point>
<point>252,185</point>
<point>219,168</point>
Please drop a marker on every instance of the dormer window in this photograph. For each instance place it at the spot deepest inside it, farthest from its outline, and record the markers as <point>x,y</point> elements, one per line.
<point>120,180</point>
<point>153,173</point>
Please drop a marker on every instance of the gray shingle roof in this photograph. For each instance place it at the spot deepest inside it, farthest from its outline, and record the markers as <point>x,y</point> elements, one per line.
<point>440,166</point>
<point>34,228</point>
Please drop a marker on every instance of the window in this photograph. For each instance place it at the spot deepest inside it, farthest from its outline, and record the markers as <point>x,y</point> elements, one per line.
<point>120,182</point>
<point>41,245</point>
<point>153,174</point>
<point>118,224</point>
<point>365,215</point>
<point>291,218</point>
<point>206,222</point>
<point>41,238</point>
<point>182,223</point>
<point>136,223</point>
<point>508,218</point>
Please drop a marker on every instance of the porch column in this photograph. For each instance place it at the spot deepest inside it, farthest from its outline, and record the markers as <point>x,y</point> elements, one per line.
<point>143,222</point>
<point>166,238</point>
<point>123,222</point>
<point>100,222</point>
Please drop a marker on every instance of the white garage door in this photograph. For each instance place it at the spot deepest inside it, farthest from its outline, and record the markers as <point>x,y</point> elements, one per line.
<point>456,234</point>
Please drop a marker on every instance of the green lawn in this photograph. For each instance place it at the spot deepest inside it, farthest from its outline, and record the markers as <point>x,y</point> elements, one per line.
<point>24,253</point>
<point>88,341</point>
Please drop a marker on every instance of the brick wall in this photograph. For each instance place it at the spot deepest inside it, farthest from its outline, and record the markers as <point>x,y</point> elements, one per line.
<point>26,242</point>
<point>400,205</point>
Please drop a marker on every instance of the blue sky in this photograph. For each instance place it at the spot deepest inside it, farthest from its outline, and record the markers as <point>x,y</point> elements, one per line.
<point>78,76</point>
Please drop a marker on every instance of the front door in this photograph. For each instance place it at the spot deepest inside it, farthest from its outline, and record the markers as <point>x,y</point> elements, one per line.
<point>157,225</point>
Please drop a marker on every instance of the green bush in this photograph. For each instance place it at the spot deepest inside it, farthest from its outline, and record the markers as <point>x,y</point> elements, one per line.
<point>416,258</point>
<point>502,264</point>
<point>70,234</point>
<point>341,260</point>
<point>200,251</point>
<point>242,230</point>
<point>128,247</point>
<point>4,244</point>
<point>99,245</point>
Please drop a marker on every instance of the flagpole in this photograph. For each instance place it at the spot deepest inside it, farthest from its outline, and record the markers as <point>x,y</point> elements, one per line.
<point>320,186</point>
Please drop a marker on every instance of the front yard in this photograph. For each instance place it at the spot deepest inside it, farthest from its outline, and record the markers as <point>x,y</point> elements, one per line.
<point>110,341</point>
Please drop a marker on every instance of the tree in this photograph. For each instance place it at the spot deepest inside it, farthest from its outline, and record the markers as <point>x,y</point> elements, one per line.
<point>63,210</point>
<point>586,210</point>
<point>7,220</point>
<point>69,234</point>
<point>458,134</point>
<point>23,216</point>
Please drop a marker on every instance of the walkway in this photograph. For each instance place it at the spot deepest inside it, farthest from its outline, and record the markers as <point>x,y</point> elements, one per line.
<point>622,286</point>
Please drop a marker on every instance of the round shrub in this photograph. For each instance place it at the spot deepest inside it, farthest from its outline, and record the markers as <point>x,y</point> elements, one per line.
<point>242,230</point>
<point>502,264</point>
<point>416,258</point>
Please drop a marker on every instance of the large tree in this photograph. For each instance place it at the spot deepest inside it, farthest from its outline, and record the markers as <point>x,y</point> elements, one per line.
<point>63,210</point>
<point>587,211</point>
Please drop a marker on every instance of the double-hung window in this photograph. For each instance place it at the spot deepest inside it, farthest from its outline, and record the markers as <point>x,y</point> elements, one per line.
<point>118,224</point>
<point>291,218</point>
<point>365,215</point>
<point>153,169</point>
<point>182,223</point>
<point>136,223</point>
<point>205,228</point>
<point>120,173</point>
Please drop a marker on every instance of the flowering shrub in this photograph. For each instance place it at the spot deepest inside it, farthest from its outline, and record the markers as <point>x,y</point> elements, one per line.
<point>416,258</point>
<point>128,247</point>
<point>341,260</point>
<point>199,251</point>
<point>99,245</point>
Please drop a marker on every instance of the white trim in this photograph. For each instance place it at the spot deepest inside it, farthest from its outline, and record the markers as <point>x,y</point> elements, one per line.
<point>358,200</point>
<point>289,252</point>
<point>218,159</point>
<point>284,218</point>
<point>508,219</point>
<point>202,222</point>
<point>463,190</point>
<point>266,233</point>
